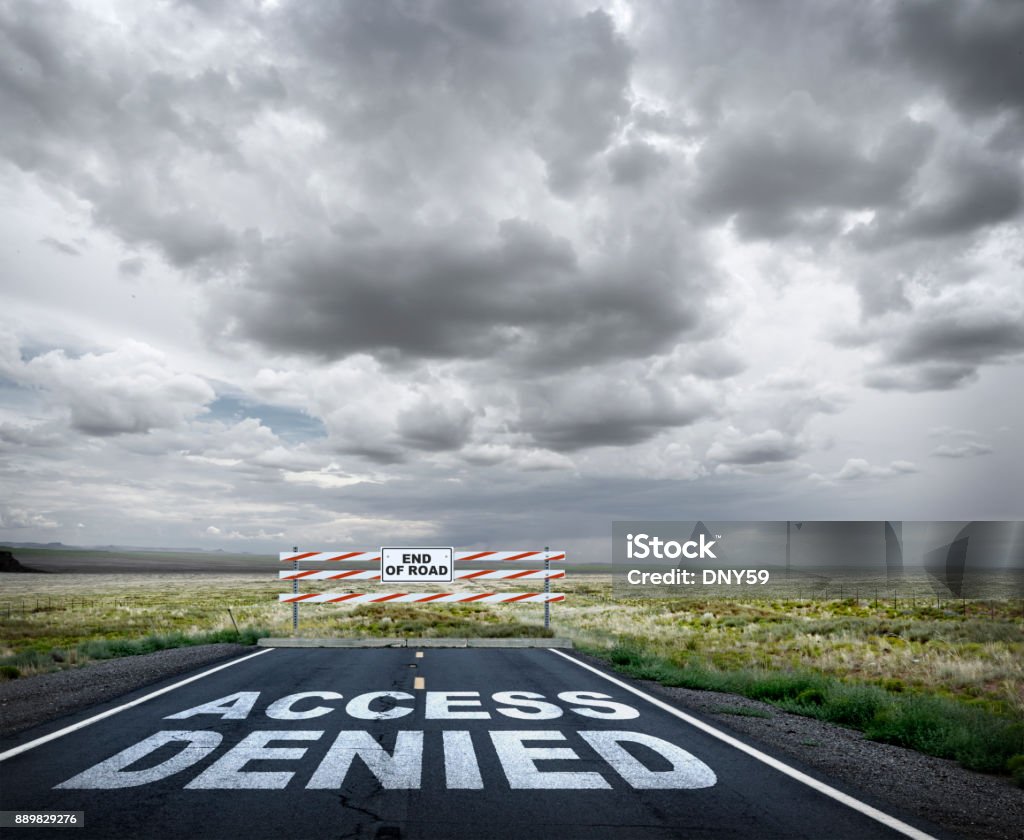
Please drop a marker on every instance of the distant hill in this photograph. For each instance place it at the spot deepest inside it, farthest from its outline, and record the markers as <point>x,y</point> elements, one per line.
<point>59,546</point>
<point>69,559</point>
<point>9,563</point>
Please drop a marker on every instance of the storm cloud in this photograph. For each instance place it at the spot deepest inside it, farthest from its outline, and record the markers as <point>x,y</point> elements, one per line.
<point>520,294</point>
<point>478,271</point>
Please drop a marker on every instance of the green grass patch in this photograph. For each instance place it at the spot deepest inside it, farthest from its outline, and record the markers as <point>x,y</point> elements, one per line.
<point>975,736</point>
<point>37,661</point>
<point>111,648</point>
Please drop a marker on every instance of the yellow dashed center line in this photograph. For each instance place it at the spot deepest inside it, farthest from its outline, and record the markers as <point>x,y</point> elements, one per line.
<point>419,682</point>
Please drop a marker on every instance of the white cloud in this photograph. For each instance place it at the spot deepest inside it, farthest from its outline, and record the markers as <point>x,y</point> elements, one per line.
<point>19,518</point>
<point>325,479</point>
<point>970,449</point>
<point>858,469</point>
<point>132,389</point>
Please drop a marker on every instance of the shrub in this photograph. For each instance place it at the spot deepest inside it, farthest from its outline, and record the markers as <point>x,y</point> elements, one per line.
<point>785,686</point>
<point>855,705</point>
<point>976,738</point>
<point>1015,766</point>
<point>811,697</point>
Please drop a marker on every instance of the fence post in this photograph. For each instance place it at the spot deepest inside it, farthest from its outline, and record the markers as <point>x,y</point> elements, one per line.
<point>295,591</point>
<point>547,589</point>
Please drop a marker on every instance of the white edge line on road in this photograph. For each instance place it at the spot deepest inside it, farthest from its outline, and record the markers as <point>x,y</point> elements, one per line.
<point>793,773</point>
<point>67,730</point>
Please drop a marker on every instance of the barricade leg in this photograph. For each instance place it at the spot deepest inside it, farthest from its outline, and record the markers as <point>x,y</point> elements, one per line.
<point>295,591</point>
<point>547,589</point>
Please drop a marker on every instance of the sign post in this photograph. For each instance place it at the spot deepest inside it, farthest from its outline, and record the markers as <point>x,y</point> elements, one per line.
<point>547,588</point>
<point>295,591</point>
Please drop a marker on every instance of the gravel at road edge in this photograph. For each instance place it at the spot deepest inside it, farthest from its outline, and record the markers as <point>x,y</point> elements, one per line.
<point>29,701</point>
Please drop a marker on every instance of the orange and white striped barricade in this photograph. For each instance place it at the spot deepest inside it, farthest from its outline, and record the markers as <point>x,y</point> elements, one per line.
<point>296,574</point>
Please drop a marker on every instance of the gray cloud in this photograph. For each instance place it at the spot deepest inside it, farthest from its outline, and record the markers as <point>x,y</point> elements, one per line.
<point>971,48</point>
<point>880,294</point>
<point>964,336</point>
<point>137,121</point>
<point>790,172</point>
<point>589,99</point>
<point>60,247</point>
<point>941,343</point>
<point>770,446</point>
<point>614,408</point>
<point>131,266</point>
<point>523,295</point>
<point>635,162</point>
<point>436,425</point>
<point>926,377</point>
<point>859,469</point>
<point>970,449</point>
<point>39,435</point>
<point>965,193</point>
<point>185,237</point>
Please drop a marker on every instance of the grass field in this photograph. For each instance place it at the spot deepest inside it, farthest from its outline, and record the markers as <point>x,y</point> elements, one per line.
<point>947,679</point>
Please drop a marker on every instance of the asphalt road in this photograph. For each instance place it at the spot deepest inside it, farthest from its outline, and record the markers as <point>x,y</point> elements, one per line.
<point>568,754</point>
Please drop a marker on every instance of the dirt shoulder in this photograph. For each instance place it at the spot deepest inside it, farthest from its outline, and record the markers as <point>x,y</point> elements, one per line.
<point>29,701</point>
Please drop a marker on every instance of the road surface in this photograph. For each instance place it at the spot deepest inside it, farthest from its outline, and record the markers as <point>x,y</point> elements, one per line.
<point>401,743</point>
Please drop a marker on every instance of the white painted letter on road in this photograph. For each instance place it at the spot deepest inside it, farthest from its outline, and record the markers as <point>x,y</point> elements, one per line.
<point>519,762</point>
<point>461,769</point>
<point>233,707</point>
<point>591,701</point>
<point>439,705</point>
<point>110,774</point>
<point>527,705</point>
<point>687,773</point>
<point>282,709</point>
<point>227,774</point>
<point>359,707</point>
<point>400,770</point>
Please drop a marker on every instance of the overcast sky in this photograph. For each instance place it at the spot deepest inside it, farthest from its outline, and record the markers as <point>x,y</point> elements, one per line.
<point>494,274</point>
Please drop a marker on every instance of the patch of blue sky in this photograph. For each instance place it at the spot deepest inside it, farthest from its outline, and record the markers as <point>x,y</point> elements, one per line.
<point>289,424</point>
<point>29,351</point>
<point>16,395</point>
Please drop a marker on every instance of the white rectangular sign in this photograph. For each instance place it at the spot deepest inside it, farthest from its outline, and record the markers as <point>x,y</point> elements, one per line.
<point>416,565</point>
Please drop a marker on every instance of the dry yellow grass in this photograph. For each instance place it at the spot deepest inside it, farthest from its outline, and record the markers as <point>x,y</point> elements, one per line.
<point>980,657</point>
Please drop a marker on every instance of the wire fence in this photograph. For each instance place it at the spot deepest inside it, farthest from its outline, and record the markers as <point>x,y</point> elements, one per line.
<point>874,597</point>
<point>12,608</point>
